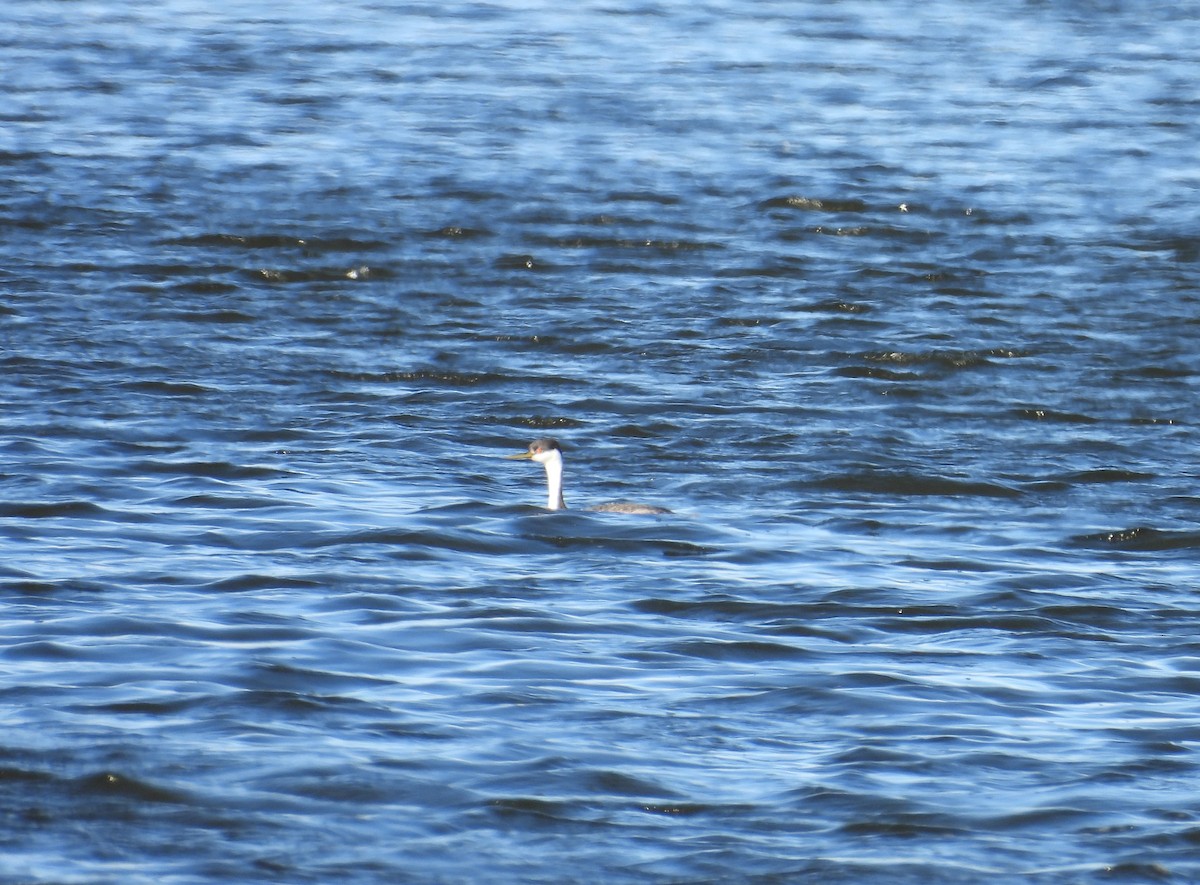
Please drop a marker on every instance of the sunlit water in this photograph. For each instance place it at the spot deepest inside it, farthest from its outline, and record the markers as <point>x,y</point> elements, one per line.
<point>894,305</point>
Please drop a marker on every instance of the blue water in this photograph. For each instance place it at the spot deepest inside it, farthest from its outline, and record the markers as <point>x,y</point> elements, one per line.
<point>895,306</point>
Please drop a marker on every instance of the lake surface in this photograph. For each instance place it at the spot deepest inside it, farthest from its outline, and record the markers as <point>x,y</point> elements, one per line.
<point>894,305</point>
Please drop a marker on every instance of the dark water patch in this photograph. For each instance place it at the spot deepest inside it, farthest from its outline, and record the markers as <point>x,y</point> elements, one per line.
<point>876,373</point>
<point>421,376</point>
<point>523,261</point>
<point>264,704</point>
<point>654,430</point>
<point>836,306</point>
<point>906,484</point>
<point>55,510</point>
<point>226,502</point>
<point>257,242</point>
<point>944,359</point>
<point>1153,422</point>
<point>150,272</point>
<point>411,544</point>
<point>459,232</point>
<point>1053,415</point>
<point>370,789</point>
<point>25,222</point>
<point>252,583</point>
<point>1142,538</point>
<point>787,268</point>
<point>156,709</point>
<point>205,287</point>
<point>1181,248</point>
<point>655,198</point>
<point>747,322</point>
<point>814,204</point>
<point>137,642</point>
<point>214,317</point>
<point>279,677</point>
<point>627,545</point>
<point>42,650</point>
<point>1166,373</point>
<point>222,470</point>
<point>520,618</point>
<point>33,587</point>
<point>591,242</point>
<point>168,388</point>
<point>951,565</point>
<point>286,276</point>
<point>611,782</point>
<point>1106,475</point>
<point>824,231</point>
<point>1139,871</point>
<point>791,618</point>
<point>1036,623</point>
<point>115,787</point>
<point>801,700</point>
<point>906,826</point>
<point>1041,817</point>
<point>530,809</point>
<point>744,651</point>
<point>12,158</point>
<point>551,343</point>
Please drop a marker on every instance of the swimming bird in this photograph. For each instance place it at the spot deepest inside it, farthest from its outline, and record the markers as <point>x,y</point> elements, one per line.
<point>548,453</point>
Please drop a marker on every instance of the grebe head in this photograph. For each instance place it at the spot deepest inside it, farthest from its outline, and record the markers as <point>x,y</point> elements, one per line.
<point>548,453</point>
<point>540,450</point>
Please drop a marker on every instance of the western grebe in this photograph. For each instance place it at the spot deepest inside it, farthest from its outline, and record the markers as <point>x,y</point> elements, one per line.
<point>548,453</point>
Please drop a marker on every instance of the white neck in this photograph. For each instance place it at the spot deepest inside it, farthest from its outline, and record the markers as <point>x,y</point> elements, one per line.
<point>554,470</point>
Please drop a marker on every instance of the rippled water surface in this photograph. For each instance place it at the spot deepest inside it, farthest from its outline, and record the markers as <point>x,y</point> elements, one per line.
<point>895,306</point>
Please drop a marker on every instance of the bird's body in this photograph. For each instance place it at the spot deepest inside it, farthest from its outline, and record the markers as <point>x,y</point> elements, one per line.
<point>627,507</point>
<point>548,453</point>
